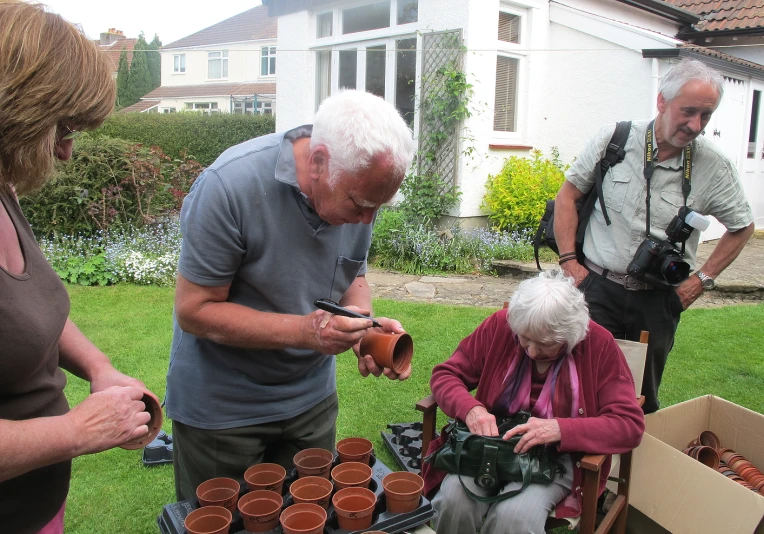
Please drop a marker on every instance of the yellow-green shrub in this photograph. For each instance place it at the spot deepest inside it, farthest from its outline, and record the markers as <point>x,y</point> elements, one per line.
<point>516,197</point>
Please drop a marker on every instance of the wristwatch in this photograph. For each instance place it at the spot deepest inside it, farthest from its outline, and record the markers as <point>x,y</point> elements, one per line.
<point>705,280</point>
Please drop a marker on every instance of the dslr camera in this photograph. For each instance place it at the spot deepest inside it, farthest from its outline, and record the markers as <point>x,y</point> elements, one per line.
<point>658,261</point>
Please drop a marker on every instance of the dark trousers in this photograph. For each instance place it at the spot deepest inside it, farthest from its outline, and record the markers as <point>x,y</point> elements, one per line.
<point>626,313</point>
<point>201,454</point>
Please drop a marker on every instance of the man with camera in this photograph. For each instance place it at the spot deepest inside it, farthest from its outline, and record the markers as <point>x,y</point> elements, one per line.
<point>639,252</point>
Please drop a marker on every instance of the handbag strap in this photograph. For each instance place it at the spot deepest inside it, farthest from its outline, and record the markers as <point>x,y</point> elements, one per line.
<point>525,469</point>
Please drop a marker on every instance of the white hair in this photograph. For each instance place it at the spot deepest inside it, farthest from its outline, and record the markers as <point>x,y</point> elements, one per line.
<point>355,127</point>
<point>549,309</point>
<point>686,71</point>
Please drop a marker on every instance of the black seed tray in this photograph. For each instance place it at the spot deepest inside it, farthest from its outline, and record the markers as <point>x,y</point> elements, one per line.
<point>159,451</point>
<point>404,441</point>
<point>173,515</point>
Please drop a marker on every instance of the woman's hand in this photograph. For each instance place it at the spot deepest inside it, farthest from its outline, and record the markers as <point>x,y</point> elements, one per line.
<point>480,422</point>
<point>535,432</point>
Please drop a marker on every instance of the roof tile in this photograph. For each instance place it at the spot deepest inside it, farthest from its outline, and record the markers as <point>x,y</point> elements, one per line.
<point>212,89</point>
<point>719,15</point>
<point>251,25</point>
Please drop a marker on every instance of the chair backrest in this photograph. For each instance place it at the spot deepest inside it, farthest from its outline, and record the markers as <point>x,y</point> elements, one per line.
<point>636,355</point>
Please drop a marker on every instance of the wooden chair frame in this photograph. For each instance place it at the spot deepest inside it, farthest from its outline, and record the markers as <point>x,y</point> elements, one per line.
<point>591,464</point>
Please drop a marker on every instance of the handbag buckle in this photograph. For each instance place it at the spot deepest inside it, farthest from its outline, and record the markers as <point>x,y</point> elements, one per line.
<point>486,481</point>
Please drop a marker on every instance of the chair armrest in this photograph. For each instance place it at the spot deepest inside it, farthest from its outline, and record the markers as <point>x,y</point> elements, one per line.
<point>426,404</point>
<point>592,462</point>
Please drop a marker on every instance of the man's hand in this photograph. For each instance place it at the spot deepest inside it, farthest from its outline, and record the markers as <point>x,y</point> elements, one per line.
<point>689,291</point>
<point>367,365</point>
<point>333,334</point>
<point>480,422</point>
<point>575,270</point>
<point>535,432</point>
<point>108,419</point>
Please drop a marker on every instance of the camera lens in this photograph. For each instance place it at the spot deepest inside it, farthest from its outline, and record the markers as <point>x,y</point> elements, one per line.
<point>675,271</point>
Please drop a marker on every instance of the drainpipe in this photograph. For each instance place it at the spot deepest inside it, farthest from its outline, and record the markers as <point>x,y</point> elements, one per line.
<point>656,80</point>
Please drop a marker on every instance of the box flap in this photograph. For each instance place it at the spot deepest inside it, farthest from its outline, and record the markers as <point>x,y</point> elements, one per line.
<point>684,496</point>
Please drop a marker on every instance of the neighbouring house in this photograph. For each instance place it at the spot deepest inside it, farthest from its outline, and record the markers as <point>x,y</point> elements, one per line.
<point>229,67</point>
<point>545,73</point>
<point>112,42</point>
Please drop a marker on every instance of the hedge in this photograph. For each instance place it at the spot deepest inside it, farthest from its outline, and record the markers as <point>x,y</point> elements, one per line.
<point>203,137</point>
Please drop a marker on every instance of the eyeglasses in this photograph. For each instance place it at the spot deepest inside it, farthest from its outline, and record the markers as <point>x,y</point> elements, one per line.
<point>70,134</point>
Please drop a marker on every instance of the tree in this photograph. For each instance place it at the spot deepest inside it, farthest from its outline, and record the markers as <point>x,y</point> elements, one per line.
<point>155,61</point>
<point>123,81</point>
<point>140,82</point>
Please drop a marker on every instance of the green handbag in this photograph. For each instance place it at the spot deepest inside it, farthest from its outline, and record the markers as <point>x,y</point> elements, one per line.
<point>492,461</point>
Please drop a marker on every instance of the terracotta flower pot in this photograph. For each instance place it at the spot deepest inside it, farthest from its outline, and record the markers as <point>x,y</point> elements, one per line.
<point>354,508</point>
<point>315,490</point>
<point>260,510</point>
<point>393,351</point>
<point>402,491</point>
<point>708,439</point>
<point>303,519</point>
<point>705,455</point>
<point>313,462</point>
<point>265,477</point>
<point>351,475</point>
<point>154,424</point>
<point>219,492</point>
<point>208,520</point>
<point>355,450</point>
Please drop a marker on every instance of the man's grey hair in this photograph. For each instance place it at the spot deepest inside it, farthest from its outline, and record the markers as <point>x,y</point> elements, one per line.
<point>355,127</point>
<point>686,71</point>
<point>549,309</point>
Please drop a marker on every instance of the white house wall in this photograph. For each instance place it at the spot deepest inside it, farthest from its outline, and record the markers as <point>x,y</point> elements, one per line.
<point>296,70</point>
<point>243,64</point>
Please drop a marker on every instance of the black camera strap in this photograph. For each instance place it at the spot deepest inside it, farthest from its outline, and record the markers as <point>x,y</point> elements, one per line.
<point>649,169</point>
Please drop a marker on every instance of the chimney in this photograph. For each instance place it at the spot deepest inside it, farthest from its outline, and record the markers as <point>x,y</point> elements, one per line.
<point>111,36</point>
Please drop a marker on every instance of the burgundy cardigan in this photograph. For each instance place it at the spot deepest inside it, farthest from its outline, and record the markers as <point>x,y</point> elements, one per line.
<point>610,421</point>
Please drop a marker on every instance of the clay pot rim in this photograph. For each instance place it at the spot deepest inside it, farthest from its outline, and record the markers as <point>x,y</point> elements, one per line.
<point>155,424</point>
<point>260,495</point>
<point>355,492</point>
<point>403,475</point>
<point>311,480</point>
<point>313,452</point>
<point>303,507</point>
<point>264,468</point>
<point>209,511</point>
<point>352,466</point>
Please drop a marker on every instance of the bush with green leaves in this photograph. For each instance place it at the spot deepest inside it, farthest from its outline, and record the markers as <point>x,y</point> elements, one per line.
<point>110,183</point>
<point>516,198</point>
<point>200,136</point>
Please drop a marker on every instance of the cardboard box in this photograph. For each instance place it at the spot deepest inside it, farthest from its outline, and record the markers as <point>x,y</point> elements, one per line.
<point>684,496</point>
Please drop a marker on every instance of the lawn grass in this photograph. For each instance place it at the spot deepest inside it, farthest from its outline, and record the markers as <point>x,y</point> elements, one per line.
<point>716,353</point>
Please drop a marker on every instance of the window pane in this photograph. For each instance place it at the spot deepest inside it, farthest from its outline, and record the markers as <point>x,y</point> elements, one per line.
<point>408,11</point>
<point>324,25</point>
<point>375,70</point>
<point>348,69</point>
<point>405,73</point>
<point>213,68</point>
<point>183,63</point>
<point>368,17</point>
<point>323,75</point>
<point>509,27</point>
<point>273,65</point>
<point>504,115</point>
<point>177,63</point>
<point>753,131</point>
<point>225,68</point>
<point>264,67</point>
<point>265,51</point>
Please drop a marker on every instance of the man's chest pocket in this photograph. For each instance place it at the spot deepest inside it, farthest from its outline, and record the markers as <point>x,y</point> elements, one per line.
<point>615,187</point>
<point>345,271</point>
<point>666,207</point>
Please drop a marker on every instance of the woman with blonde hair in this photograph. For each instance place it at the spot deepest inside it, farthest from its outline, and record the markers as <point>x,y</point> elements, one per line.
<point>54,83</point>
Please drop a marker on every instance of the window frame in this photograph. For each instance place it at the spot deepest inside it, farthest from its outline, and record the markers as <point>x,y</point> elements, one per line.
<point>518,52</point>
<point>181,67</point>
<point>224,63</point>
<point>338,37</point>
<point>271,60</point>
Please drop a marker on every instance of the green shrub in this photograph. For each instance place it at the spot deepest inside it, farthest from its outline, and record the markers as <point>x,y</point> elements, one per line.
<point>203,137</point>
<point>515,198</point>
<point>110,183</point>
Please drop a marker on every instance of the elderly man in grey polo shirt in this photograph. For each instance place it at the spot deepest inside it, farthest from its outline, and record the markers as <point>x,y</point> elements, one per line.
<point>688,96</point>
<point>273,224</point>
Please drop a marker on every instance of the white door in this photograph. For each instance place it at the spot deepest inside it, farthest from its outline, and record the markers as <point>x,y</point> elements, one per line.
<point>753,166</point>
<point>727,129</point>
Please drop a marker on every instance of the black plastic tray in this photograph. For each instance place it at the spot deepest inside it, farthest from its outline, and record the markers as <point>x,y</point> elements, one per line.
<point>404,441</point>
<point>173,515</point>
<point>159,451</point>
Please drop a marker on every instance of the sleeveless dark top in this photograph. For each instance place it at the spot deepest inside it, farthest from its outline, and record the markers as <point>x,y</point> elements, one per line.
<point>34,307</point>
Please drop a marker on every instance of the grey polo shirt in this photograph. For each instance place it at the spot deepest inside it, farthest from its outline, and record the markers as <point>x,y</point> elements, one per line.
<point>716,190</point>
<point>246,222</point>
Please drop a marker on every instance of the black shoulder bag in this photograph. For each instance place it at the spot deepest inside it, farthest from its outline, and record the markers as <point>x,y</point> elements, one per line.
<point>613,156</point>
<point>492,461</point>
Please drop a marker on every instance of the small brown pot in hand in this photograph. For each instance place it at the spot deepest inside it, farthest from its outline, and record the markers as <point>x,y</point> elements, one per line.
<point>393,351</point>
<point>154,424</point>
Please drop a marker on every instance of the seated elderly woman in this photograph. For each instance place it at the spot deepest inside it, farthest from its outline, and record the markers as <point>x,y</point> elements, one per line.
<point>544,356</point>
